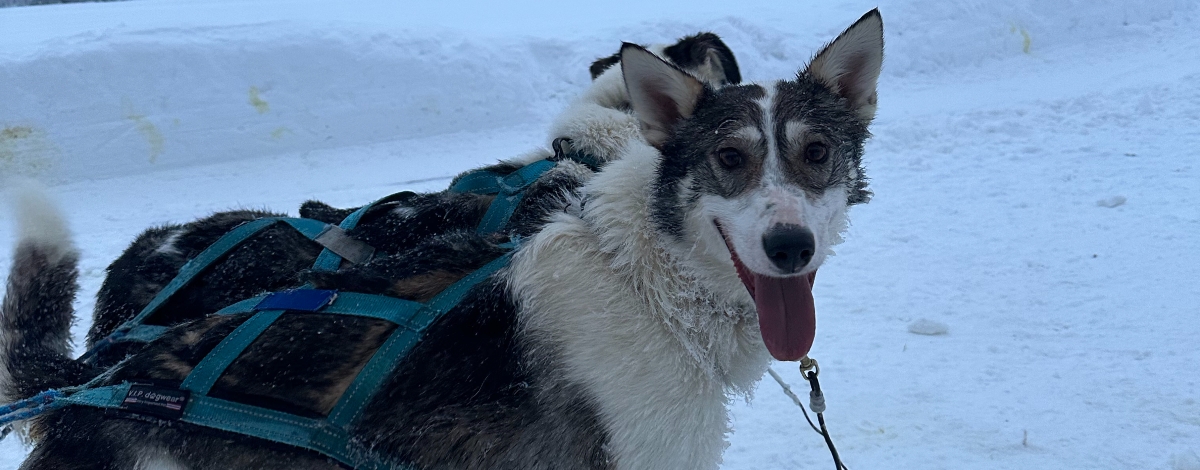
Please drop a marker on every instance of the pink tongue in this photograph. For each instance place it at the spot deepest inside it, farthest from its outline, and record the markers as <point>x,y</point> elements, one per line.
<point>787,317</point>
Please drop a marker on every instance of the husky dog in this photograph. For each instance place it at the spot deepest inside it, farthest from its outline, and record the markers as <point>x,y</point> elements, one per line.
<point>648,295</point>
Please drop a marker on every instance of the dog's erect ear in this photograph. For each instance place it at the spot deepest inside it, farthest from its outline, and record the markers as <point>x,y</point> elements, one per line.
<point>707,55</point>
<point>660,93</point>
<point>600,65</point>
<point>850,64</point>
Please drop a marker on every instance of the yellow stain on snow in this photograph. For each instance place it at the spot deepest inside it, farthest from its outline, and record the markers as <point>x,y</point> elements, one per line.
<point>1026,40</point>
<point>257,102</point>
<point>150,132</point>
<point>154,137</point>
<point>25,150</point>
<point>15,132</point>
<point>279,132</point>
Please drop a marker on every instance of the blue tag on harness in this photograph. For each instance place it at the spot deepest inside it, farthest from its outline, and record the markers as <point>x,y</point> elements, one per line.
<point>305,300</point>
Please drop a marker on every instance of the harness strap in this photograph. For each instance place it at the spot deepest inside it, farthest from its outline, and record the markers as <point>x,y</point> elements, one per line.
<point>509,190</point>
<point>335,239</point>
<point>398,311</point>
<point>205,374</point>
<point>225,244</point>
<point>490,182</point>
<point>401,341</point>
<point>313,434</point>
<point>144,333</point>
<point>134,330</point>
<point>478,182</point>
<point>100,397</point>
<point>249,420</point>
<point>329,259</point>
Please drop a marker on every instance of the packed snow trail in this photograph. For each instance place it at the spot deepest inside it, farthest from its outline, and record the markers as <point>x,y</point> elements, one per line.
<point>1034,165</point>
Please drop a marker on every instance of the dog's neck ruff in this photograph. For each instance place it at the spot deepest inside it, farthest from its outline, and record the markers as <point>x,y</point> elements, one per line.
<point>619,309</point>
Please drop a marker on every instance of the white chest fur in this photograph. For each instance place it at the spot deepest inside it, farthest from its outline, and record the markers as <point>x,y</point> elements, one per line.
<point>660,355</point>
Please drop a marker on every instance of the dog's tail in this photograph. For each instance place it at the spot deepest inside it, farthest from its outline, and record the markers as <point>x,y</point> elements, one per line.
<point>35,317</point>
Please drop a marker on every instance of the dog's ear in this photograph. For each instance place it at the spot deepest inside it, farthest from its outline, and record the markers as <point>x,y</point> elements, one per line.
<point>708,56</point>
<point>850,64</point>
<point>600,65</point>
<point>660,93</point>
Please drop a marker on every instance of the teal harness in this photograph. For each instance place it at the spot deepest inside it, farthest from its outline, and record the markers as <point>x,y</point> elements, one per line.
<point>329,436</point>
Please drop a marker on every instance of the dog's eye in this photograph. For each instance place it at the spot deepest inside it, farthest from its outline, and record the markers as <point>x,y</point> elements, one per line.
<point>816,153</point>
<point>730,158</point>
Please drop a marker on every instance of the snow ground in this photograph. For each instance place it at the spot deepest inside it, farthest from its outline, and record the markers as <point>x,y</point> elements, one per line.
<point>1005,130</point>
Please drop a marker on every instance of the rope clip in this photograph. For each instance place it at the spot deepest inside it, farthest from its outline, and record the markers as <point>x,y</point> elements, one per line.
<point>809,364</point>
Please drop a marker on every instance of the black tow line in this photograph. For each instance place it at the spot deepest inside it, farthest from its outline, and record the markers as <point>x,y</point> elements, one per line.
<point>816,401</point>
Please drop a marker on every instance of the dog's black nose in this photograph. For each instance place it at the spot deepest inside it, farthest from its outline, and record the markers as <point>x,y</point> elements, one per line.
<point>790,247</point>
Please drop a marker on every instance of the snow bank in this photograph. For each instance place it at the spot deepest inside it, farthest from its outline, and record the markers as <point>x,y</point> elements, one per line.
<point>97,90</point>
<point>101,90</point>
<point>116,102</point>
<point>940,35</point>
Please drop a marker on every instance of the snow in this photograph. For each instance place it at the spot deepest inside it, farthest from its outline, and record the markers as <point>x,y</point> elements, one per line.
<point>927,327</point>
<point>1111,202</point>
<point>1185,462</point>
<point>1034,165</point>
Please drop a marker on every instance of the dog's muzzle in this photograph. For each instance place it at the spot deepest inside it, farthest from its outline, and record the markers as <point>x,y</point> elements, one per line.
<point>787,315</point>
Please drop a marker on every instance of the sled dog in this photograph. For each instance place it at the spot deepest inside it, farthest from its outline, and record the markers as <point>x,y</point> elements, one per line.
<point>640,299</point>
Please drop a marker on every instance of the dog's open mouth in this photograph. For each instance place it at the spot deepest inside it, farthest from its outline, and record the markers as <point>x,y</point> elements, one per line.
<point>787,317</point>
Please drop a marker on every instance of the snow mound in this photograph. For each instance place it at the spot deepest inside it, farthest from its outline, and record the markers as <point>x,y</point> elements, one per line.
<point>1111,202</point>
<point>927,327</point>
